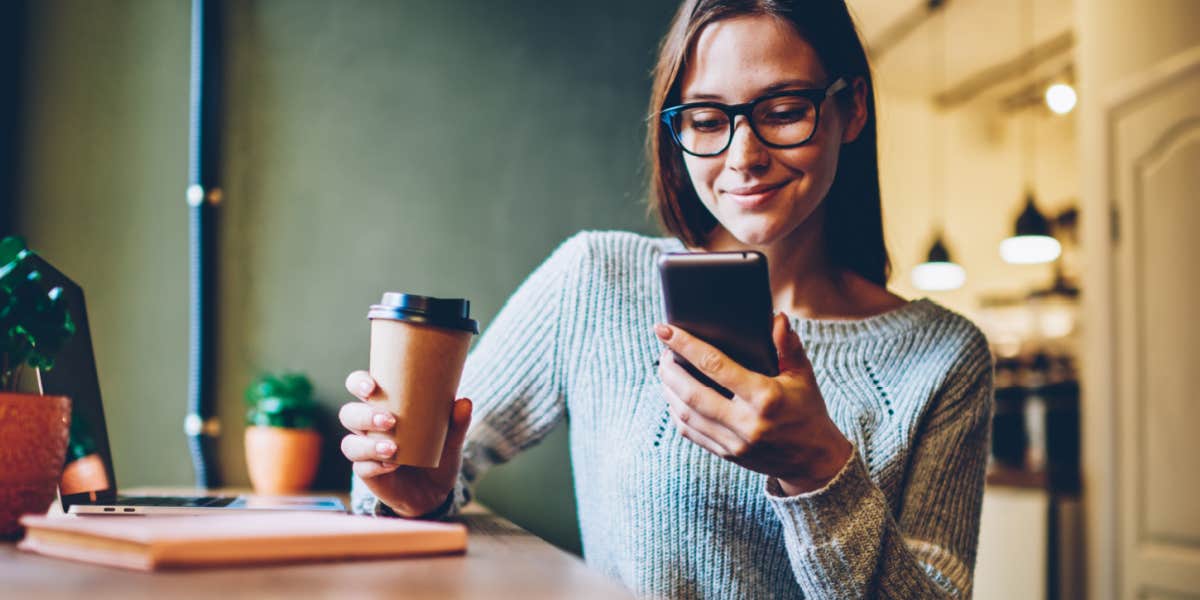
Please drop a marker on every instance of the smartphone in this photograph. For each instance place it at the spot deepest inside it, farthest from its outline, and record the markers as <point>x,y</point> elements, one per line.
<point>723,298</point>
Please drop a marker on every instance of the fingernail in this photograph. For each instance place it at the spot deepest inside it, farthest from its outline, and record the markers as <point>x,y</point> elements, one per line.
<point>384,420</point>
<point>385,448</point>
<point>662,331</point>
<point>365,387</point>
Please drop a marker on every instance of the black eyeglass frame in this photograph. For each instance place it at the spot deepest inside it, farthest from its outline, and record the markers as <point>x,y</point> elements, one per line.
<point>816,96</point>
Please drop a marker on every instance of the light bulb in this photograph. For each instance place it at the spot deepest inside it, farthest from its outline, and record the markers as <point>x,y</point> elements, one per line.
<point>938,276</point>
<point>1030,249</point>
<point>1061,98</point>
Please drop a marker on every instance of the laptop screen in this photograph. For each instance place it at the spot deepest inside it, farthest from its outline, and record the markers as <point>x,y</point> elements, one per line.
<point>88,469</point>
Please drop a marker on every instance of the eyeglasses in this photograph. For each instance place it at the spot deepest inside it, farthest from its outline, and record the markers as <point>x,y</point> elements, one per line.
<point>781,120</point>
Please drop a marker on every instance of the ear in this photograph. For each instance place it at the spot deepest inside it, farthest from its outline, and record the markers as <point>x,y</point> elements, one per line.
<point>858,111</point>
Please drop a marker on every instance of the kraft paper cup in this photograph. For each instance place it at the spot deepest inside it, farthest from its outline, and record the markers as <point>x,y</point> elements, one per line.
<point>418,348</point>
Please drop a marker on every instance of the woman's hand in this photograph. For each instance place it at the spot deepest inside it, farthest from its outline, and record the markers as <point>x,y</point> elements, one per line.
<point>409,491</point>
<point>777,426</point>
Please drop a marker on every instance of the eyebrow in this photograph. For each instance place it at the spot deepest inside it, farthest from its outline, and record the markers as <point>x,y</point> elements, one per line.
<point>770,89</point>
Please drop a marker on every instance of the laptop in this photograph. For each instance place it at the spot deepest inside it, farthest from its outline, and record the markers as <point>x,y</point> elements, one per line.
<point>88,485</point>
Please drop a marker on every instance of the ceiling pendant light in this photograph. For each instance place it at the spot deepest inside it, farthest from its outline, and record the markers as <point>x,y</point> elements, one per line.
<point>939,273</point>
<point>1031,242</point>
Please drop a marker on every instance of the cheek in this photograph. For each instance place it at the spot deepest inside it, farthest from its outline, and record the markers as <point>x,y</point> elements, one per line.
<point>816,163</point>
<point>823,161</point>
<point>825,171</point>
<point>703,172</point>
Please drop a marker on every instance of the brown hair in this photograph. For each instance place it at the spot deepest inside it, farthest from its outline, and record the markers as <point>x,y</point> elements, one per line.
<point>853,226</point>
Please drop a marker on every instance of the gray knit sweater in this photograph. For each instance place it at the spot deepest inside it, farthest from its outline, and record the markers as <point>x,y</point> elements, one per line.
<point>911,388</point>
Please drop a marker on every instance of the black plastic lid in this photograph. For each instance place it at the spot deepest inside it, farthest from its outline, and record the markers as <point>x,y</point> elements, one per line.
<point>451,313</point>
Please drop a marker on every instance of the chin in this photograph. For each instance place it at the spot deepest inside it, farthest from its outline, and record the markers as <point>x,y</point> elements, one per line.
<point>756,234</point>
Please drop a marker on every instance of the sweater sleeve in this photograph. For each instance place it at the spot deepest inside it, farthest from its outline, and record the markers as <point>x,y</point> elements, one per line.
<point>515,375</point>
<point>843,540</point>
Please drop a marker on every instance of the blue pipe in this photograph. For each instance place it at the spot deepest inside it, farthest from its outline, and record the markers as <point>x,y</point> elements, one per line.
<point>203,197</point>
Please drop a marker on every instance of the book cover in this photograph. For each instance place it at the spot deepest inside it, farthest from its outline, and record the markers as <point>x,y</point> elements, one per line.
<point>173,542</point>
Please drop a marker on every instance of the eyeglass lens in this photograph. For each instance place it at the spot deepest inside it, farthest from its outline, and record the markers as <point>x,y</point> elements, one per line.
<point>781,121</point>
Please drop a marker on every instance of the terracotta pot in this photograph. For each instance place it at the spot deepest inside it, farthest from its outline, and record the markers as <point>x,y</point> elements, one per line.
<point>33,442</point>
<point>281,460</point>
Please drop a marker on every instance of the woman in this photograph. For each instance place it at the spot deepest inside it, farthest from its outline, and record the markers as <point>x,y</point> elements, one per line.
<point>857,472</point>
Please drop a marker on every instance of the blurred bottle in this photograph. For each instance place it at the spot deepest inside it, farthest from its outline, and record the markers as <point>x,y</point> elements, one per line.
<point>1033,379</point>
<point>1062,425</point>
<point>1008,422</point>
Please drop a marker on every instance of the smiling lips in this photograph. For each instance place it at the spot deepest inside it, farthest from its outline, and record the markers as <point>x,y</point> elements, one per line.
<point>752,196</point>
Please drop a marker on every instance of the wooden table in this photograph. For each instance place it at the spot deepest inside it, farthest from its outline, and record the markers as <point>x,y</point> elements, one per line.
<point>502,561</point>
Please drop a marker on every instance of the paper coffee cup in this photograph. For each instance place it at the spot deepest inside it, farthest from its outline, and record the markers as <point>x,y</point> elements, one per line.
<point>418,348</point>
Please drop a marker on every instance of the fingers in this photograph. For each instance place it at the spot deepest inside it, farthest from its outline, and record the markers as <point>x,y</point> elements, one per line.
<point>694,394</point>
<point>787,344</point>
<point>367,455</point>
<point>359,418</point>
<point>741,416</point>
<point>702,431</point>
<point>703,410</point>
<point>460,421</point>
<point>360,384</point>
<point>707,359</point>
<point>370,468</point>
<point>359,448</point>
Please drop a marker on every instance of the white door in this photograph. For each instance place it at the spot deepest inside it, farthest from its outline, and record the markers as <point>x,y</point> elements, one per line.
<point>1153,154</point>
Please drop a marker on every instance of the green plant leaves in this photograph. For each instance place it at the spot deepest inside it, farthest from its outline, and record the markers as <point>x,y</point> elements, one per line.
<point>284,400</point>
<point>289,419</point>
<point>34,321</point>
<point>11,248</point>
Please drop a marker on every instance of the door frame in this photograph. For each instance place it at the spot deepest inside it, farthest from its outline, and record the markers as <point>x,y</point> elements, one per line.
<point>1103,386</point>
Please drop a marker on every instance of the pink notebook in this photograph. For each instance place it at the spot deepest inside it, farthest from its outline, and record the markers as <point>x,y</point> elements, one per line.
<point>159,542</point>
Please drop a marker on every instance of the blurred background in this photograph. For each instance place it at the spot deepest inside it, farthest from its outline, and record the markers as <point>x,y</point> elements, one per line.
<point>446,148</point>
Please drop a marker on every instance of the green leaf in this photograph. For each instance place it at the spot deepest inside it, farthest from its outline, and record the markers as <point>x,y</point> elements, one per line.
<point>11,248</point>
<point>274,404</point>
<point>261,419</point>
<point>265,387</point>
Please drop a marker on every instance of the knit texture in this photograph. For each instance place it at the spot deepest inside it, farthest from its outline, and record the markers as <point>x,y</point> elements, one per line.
<point>911,388</point>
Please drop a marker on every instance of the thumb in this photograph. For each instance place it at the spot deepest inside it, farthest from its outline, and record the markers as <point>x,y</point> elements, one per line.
<point>460,421</point>
<point>787,345</point>
<point>448,465</point>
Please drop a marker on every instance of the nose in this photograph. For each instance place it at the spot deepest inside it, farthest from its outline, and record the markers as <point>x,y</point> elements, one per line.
<point>746,152</point>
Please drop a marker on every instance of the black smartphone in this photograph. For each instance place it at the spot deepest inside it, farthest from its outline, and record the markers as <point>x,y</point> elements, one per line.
<point>723,298</point>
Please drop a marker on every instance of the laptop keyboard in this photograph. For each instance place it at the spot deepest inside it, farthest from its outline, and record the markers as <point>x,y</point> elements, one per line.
<point>187,501</point>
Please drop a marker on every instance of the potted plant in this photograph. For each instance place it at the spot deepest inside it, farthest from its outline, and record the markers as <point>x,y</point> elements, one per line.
<point>34,326</point>
<point>283,447</point>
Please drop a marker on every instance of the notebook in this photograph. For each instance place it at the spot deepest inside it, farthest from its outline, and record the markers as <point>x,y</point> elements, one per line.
<point>177,542</point>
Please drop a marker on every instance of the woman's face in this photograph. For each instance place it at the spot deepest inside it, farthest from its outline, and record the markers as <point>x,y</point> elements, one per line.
<point>759,194</point>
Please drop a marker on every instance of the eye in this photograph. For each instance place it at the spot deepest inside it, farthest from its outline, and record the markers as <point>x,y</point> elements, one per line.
<point>786,111</point>
<point>705,120</point>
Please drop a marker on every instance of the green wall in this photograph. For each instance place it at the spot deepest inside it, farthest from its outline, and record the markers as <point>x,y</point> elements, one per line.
<point>436,147</point>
